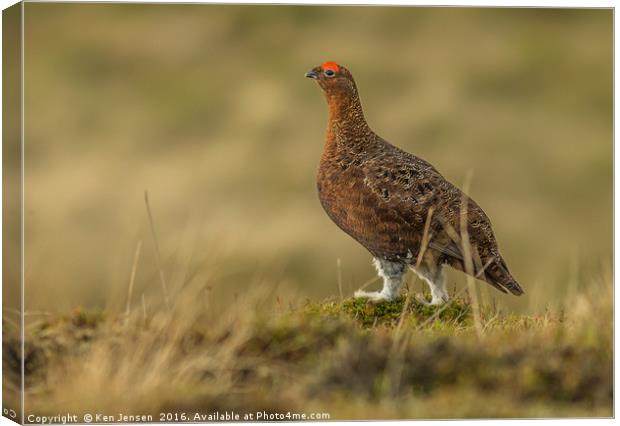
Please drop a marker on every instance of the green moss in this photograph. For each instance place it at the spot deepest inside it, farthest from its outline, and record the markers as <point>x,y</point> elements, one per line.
<point>369,314</point>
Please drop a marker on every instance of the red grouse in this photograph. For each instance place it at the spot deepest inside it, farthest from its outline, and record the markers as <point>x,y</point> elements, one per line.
<point>397,205</point>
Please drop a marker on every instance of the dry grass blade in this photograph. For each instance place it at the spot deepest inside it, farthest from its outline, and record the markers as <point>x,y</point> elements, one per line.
<point>423,247</point>
<point>143,309</point>
<point>370,282</point>
<point>339,268</point>
<point>162,277</point>
<point>132,278</point>
<point>467,258</point>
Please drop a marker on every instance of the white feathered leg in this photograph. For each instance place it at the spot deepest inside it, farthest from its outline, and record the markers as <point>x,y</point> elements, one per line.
<point>436,281</point>
<point>393,277</point>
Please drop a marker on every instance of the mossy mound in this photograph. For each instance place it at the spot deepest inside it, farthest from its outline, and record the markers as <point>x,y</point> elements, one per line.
<point>370,314</point>
<point>326,354</point>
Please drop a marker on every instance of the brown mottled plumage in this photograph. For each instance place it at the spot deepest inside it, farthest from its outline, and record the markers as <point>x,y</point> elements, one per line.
<point>381,196</point>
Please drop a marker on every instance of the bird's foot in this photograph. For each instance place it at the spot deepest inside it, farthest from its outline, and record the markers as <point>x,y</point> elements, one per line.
<point>435,301</point>
<point>372,296</point>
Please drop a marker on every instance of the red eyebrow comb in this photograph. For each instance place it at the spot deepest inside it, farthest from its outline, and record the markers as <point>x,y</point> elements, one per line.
<point>331,66</point>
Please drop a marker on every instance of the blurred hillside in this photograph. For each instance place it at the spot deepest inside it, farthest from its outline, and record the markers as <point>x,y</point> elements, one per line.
<point>206,107</point>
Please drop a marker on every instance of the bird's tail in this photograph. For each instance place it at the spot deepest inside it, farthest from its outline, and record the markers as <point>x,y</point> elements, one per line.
<point>496,273</point>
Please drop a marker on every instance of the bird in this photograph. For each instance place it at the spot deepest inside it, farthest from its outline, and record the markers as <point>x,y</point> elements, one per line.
<point>397,205</point>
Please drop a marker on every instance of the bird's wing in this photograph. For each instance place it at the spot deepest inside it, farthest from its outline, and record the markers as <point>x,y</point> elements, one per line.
<point>398,177</point>
<point>409,187</point>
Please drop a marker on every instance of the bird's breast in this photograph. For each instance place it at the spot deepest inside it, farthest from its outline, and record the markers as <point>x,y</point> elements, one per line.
<point>332,181</point>
<point>349,203</point>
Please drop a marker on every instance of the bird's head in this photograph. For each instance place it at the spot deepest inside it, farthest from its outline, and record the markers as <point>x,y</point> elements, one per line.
<point>335,80</point>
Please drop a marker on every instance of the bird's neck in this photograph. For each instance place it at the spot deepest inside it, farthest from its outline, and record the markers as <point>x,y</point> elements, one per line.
<point>346,127</point>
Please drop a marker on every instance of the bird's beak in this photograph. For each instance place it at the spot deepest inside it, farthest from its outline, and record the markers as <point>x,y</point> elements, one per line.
<point>312,74</point>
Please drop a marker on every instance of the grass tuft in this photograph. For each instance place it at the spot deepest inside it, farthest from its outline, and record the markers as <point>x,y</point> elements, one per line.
<point>326,357</point>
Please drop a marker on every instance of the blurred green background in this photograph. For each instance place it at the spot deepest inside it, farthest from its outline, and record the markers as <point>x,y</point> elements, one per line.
<point>206,107</point>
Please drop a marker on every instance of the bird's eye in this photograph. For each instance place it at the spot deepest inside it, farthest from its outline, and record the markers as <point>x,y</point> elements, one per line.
<point>330,73</point>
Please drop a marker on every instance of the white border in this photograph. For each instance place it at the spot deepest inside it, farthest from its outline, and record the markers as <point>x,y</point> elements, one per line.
<point>545,3</point>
